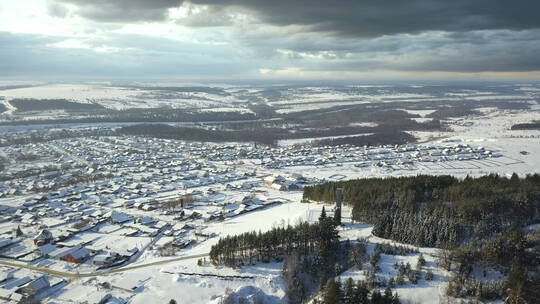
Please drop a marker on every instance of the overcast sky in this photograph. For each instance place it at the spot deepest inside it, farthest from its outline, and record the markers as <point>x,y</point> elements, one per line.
<point>270,39</point>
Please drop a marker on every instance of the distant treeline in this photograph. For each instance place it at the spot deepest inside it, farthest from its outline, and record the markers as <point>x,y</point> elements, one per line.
<point>192,89</point>
<point>269,132</point>
<point>527,126</point>
<point>387,112</point>
<point>27,105</point>
<point>264,135</point>
<point>260,135</point>
<point>143,116</point>
<point>438,211</point>
<point>383,138</point>
<point>453,112</point>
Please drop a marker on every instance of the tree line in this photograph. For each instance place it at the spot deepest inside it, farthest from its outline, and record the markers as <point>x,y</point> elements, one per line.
<point>355,293</point>
<point>311,254</point>
<point>438,211</point>
<point>527,126</point>
<point>251,247</point>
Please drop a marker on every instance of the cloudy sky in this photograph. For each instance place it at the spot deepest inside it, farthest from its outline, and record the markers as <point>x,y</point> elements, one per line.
<point>274,40</point>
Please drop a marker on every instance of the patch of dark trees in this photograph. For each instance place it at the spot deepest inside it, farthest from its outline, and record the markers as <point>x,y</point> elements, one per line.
<point>143,115</point>
<point>386,111</point>
<point>263,110</point>
<point>19,86</point>
<point>248,248</point>
<point>453,112</point>
<point>527,126</point>
<point>260,135</point>
<point>383,138</point>
<point>514,254</point>
<point>385,120</point>
<point>345,115</point>
<point>438,211</point>
<point>477,221</point>
<point>352,292</point>
<point>312,256</point>
<point>388,131</point>
<point>34,105</point>
<point>188,89</point>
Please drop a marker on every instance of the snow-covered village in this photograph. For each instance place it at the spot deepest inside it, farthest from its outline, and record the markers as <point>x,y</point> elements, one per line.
<point>93,216</point>
<point>269,152</point>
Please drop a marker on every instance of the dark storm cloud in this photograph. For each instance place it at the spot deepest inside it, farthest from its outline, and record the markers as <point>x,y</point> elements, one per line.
<point>371,18</point>
<point>484,51</point>
<point>466,36</point>
<point>471,63</point>
<point>353,18</point>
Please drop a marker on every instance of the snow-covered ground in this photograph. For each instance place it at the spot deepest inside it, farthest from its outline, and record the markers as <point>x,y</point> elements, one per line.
<point>186,282</point>
<point>160,283</point>
<point>285,100</point>
<point>304,141</point>
<point>120,98</point>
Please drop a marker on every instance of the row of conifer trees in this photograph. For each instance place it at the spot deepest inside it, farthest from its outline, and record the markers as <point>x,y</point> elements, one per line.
<point>278,242</point>
<point>438,211</point>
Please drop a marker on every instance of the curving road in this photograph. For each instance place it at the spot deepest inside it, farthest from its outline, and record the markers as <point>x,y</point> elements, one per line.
<point>73,276</point>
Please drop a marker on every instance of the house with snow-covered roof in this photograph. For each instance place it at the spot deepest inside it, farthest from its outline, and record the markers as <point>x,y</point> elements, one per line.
<point>32,288</point>
<point>116,217</point>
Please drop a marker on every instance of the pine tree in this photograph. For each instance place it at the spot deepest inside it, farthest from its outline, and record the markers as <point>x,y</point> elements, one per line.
<point>400,279</point>
<point>376,297</point>
<point>395,299</point>
<point>19,232</point>
<point>515,283</point>
<point>371,280</point>
<point>322,217</point>
<point>429,275</point>
<point>361,293</point>
<point>349,292</point>
<point>332,292</point>
<point>421,262</point>
<point>387,296</point>
<point>337,216</point>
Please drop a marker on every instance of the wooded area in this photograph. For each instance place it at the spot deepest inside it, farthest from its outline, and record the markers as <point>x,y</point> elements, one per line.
<point>438,211</point>
<point>478,221</point>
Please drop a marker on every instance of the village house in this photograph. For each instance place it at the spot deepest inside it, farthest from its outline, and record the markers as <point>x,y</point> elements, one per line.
<point>43,237</point>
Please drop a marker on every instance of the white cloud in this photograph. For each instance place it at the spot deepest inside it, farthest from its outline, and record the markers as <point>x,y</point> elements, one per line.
<point>70,44</point>
<point>79,44</point>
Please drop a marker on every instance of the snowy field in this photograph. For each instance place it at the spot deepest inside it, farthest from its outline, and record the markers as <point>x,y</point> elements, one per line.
<point>282,99</point>
<point>121,98</point>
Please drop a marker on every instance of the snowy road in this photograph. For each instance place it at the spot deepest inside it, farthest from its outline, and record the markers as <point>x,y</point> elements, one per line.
<point>63,151</point>
<point>73,276</point>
